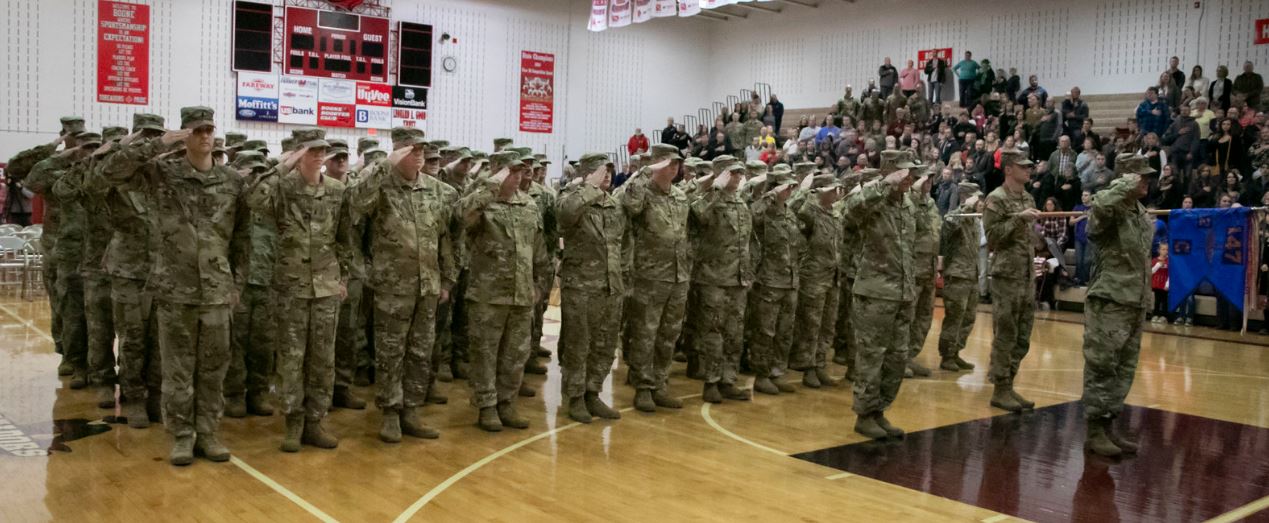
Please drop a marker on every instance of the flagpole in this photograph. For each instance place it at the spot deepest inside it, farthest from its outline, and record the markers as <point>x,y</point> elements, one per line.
<point>1066,214</point>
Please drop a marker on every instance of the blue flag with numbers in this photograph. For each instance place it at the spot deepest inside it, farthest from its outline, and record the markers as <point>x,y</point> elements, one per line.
<point>1208,245</point>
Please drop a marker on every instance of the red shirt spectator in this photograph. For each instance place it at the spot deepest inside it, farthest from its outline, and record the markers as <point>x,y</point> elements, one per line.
<point>638,143</point>
<point>1159,278</point>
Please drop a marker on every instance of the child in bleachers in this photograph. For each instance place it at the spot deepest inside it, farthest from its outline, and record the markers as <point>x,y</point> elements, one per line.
<point>1159,284</point>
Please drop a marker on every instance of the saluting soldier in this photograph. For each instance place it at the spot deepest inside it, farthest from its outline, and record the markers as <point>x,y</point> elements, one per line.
<point>925,258</point>
<point>350,333</point>
<point>817,280</point>
<point>961,237</point>
<point>773,299</point>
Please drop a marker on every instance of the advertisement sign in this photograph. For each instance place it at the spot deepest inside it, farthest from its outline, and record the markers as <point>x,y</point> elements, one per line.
<point>373,117</point>
<point>297,100</point>
<point>123,53</point>
<point>537,92</point>
<point>257,97</point>
<point>409,106</point>
<point>402,117</point>
<point>337,92</point>
<point>335,115</point>
<point>373,94</point>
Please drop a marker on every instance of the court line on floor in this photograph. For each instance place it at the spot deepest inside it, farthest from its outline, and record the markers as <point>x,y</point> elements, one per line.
<point>710,420</point>
<point>285,492</point>
<point>843,475</point>
<point>440,488</point>
<point>1242,512</point>
<point>25,322</point>
<point>994,519</point>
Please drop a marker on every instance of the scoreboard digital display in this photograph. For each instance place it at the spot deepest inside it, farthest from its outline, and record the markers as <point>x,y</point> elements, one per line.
<point>336,45</point>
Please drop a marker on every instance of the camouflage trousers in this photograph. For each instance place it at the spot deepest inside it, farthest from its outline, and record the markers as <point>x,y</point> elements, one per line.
<point>366,356</point>
<point>252,342</point>
<point>816,320</point>
<point>588,337</point>
<point>687,342</point>
<point>450,347</point>
<point>544,286</point>
<point>499,348</point>
<point>881,335</point>
<point>1112,345</point>
<point>656,319</point>
<point>98,315</point>
<point>350,335</point>
<point>771,313</point>
<point>960,309</point>
<point>405,330</point>
<point>922,313</point>
<point>1012,314</point>
<point>194,343</point>
<point>140,368</point>
<point>306,354</point>
<point>74,326</point>
<point>54,303</point>
<point>722,312</point>
<point>844,338</point>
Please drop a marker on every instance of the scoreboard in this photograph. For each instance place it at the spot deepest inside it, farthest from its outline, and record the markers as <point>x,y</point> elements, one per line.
<point>333,44</point>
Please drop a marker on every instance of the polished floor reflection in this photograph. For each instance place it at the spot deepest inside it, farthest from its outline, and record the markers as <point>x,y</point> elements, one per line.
<point>729,461</point>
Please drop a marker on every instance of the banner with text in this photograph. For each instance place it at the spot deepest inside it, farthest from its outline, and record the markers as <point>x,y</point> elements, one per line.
<point>537,92</point>
<point>301,100</point>
<point>123,53</point>
<point>598,15</point>
<point>257,97</point>
<point>409,106</point>
<point>1209,245</point>
<point>926,55</point>
<point>1262,32</point>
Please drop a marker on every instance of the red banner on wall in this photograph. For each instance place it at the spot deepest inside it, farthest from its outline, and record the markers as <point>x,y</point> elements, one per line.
<point>123,53</point>
<point>537,92</point>
<point>1262,31</point>
<point>926,55</point>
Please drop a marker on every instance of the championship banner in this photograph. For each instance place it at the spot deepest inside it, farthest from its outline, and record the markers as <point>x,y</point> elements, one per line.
<point>619,13</point>
<point>689,7</point>
<point>642,11</point>
<point>1208,245</point>
<point>598,15</point>
<point>537,92</point>
<point>257,97</point>
<point>123,53</point>
<point>664,8</point>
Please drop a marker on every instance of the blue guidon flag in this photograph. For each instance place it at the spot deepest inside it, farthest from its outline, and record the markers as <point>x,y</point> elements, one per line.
<point>1208,245</point>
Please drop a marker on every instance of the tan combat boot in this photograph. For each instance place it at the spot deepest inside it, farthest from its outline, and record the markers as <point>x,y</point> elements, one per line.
<point>258,404</point>
<point>598,408</point>
<point>390,426</point>
<point>765,386</point>
<point>1022,402</point>
<point>810,379</point>
<point>1097,440</point>
<point>345,399</point>
<point>664,400</point>
<point>577,410</point>
<point>510,418</point>
<point>182,451</point>
<point>821,374</point>
<point>315,434</point>
<point>1120,440</point>
<point>918,369</point>
<point>643,401</point>
<point>732,392</point>
<point>710,393</point>
<point>412,425</point>
<point>1002,399</point>
<point>209,446</point>
<point>891,430</point>
<point>134,411</point>
<point>294,431</point>
<point>235,406</point>
<point>866,425</point>
<point>106,397</point>
<point>489,420</point>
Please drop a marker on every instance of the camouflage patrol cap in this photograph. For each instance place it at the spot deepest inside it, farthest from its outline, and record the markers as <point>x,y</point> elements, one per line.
<point>590,162</point>
<point>722,162</point>
<point>1014,158</point>
<point>260,146</point>
<point>374,155</point>
<point>691,162</point>
<point>462,153</point>
<point>88,139</point>
<point>504,159</point>
<point>480,155</point>
<point>824,182</point>
<point>542,159</point>
<point>288,144</point>
<point>755,168</point>
<point>365,144</point>
<point>1128,163</point>
<point>197,116</point>
<point>965,190</point>
<point>250,160</point>
<point>662,152</point>
<point>431,151</point>
<point>233,140</point>
<point>894,160</point>
<point>72,125</point>
<point>440,144</point>
<point>337,147</point>
<point>500,143</point>
<point>406,137</point>
<point>868,174</point>
<point>114,133</point>
<point>781,173</point>
<point>448,152</point>
<point>309,138</point>
<point>803,168</point>
<point>147,122</point>
<point>218,145</point>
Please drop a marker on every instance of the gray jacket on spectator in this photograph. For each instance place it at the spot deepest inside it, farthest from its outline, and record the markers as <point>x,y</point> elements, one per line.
<point>1180,143</point>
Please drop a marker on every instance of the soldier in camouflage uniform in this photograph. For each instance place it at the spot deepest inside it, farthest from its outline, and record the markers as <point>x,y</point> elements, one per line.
<point>925,257</point>
<point>233,143</point>
<point>960,279</point>
<point>63,241</point>
<point>658,214</point>
<point>884,291</point>
<point>85,190</point>
<point>844,339</point>
<point>848,106</point>
<point>451,363</point>
<point>202,228</point>
<point>412,269</point>
<point>432,169</point>
<point>817,280</point>
<point>722,273</point>
<point>546,199</point>
<point>591,287</point>
<point>1009,223</point>
<point>508,254</point>
<point>688,342</point>
<point>350,333</point>
<point>308,283</point>
<point>735,131</point>
<point>778,243</point>
<point>1117,299</point>
<point>872,109</point>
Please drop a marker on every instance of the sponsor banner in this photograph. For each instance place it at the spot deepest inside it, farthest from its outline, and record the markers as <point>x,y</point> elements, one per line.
<point>123,53</point>
<point>642,11</point>
<point>338,91</point>
<point>409,97</point>
<point>374,94</point>
<point>1262,32</point>
<point>372,117</point>
<point>257,109</point>
<point>257,85</point>
<point>537,92</point>
<point>404,117</point>
<point>619,12</point>
<point>664,8</point>
<point>689,7</point>
<point>335,115</point>
<point>598,15</point>
<point>297,100</point>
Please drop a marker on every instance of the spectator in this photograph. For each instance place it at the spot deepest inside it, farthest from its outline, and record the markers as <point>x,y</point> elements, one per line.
<point>17,203</point>
<point>719,146</point>
<point>1002,84</point>
<point>1225,150</point>
<point>935,75</point>
<point>842,167</point>
<point>966,74</point>
<point>1045,138</point>
<point>1086,132</point>
<point>1085,162</point>
<point>909,80</point>
<point>1153,115</point>
<point>1175,74</point>
<point>765,137</point>
<point>1067,189</point>
<point>1204,188</point>
<point>1249,85</point>
<point>1015,85</point>
<point>1170,191</point>
<point>1197,81</point>
<point>945,191</point>
<point>1232,187</point>
<point>1219,92</point>
<point>986,78</point>
<point>888,76</point>
<point>770,155</point>
<point>777,113</point>
<point>1033,87</point>
<point>753,152</point>
<point>1159,284</point>
<point>1083,249</point>
<point>1182,140</point>
<point>1169,92</point>
<point>1074,112</point>
<point>1203,117</point>
<point>638,143</point>
<point>1187,96</point>
<point>623,176</point>
<point>1101,174</point>
<point>1020,142</point>
<point>1151,150</point>
<point>871,88</point>
<point>829,132</point>
<point>667,134</point>
<point>1053,229</point>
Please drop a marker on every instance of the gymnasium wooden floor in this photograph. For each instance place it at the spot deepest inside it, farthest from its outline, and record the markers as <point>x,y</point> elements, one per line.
<point>1201,407</point>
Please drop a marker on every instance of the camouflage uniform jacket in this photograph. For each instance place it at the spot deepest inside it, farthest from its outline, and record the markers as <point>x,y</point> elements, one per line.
<point>850,237</point>
<point>872,110</point>
<point>848,106</point>
<point>887,227</point>
<point>777,245</point>
<point>358,233</point>
<point>82,197</point>
<point>63,236</point>
<point>131,214</point>
<point>925,244</point>
<point>264,240</point>
<point>725,229</point>
<point>593,228</point>
<point>1122,231</point>
<point>735,132</point>
<point>411,235</point>
<point>659,246</point>
<point>201,221</point>
<point>312,227</point>
<point>21,164</point>
<point>752,128</point>
<point>508,249</point>
<point>960,245</point>
<point>822,230</point>
<point>1008,235</point>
